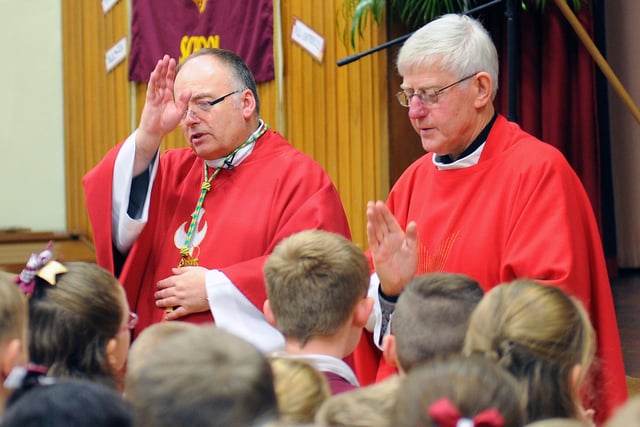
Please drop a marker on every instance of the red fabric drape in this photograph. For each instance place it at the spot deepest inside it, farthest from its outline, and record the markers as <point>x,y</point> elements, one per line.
<point>556,89</point>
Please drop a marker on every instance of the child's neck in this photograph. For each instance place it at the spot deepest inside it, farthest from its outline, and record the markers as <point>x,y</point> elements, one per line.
<point>329,346</point>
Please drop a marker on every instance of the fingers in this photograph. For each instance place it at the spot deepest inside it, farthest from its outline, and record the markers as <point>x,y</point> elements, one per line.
<point>412,235</point>
<point>377,226</point>
<point>161,78</point>
<point>171,301</point>
<point>166,283</point>
<point>176,314</point>
<point>381,223</point>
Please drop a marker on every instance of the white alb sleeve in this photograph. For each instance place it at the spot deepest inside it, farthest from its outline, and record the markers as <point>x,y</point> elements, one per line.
<point>126,229</point>
<point>375,321</point>
<point>234,313</point>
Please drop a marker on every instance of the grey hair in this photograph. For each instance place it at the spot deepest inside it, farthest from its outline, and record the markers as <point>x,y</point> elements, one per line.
<point>457,44</point>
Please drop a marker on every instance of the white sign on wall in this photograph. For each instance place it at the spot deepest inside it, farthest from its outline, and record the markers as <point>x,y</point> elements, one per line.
<point>308,39</point>
<point>108,4</point>
<point>116,54</point>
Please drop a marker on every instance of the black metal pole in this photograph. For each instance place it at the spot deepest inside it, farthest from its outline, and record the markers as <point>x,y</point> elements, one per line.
<point>512,58</point>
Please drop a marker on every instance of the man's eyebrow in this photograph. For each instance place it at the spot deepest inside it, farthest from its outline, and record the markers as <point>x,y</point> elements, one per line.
<point>200,96</point>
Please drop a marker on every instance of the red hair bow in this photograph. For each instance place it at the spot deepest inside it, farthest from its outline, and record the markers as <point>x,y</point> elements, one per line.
<point>445,414</point>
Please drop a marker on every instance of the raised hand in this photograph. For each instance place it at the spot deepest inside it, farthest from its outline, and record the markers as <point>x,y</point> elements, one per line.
<point>161,113</point>
<point>394,252</point>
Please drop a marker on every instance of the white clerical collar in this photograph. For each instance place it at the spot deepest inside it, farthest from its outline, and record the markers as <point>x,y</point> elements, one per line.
<point>242,154</point>
<point>470,160</point>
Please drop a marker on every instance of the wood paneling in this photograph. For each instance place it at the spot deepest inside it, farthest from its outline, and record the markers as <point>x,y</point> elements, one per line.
<point>96,102</point>
<point>338,115</point>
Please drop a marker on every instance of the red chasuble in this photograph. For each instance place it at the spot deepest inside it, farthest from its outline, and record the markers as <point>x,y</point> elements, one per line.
<point>521,212</point>
<point>276,191</point>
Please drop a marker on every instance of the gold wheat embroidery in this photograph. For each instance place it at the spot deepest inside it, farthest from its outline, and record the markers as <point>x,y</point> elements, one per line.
<point>433,262</point>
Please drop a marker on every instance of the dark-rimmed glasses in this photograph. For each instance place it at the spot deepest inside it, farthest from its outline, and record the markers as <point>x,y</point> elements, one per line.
<point>202,106</point>
<point>426,96</point>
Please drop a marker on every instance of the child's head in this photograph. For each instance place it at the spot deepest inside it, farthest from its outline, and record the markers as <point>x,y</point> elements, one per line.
<point>204,376</point>
<point>13,312</point>
<point>458,387</point>
<point>540,335</point>
<point>13,330</point>
<point>79,321</point>
<point>145,344</point>
<point>300,389</point>
<point>316,283</point>
<point>431,318</point>
<point>368,406</point>
<point>70,402</point>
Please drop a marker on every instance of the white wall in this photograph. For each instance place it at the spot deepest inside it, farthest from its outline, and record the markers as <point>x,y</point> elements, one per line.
<point>32,192</point>
<point>623,33</point>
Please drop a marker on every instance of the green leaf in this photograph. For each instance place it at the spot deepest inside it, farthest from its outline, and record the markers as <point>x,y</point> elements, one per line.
<point>413,13</point>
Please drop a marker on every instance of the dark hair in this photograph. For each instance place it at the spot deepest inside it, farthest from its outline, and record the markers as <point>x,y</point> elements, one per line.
<point>238,67</point>
<point>71,322</point>
<point>432,316</point>
<point>71,402</point>
<point>472,384</point>
<point>204,377</point>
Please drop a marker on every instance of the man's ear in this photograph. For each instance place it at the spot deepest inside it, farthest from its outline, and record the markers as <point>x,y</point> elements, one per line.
<point>11,357</point>
<point>248,103</point>
<point>362,311</point>
<point>389,350</point>
<point>268,314</point>
<point>484,88</point>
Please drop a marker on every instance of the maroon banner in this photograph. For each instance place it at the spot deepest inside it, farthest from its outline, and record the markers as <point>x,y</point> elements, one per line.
<point>180,27</point>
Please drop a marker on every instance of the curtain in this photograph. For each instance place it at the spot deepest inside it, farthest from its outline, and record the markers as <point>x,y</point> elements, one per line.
<point>557,96</point>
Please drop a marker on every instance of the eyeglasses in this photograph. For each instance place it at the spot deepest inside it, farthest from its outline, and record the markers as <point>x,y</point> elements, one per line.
<point>132,322</point>
<point>204,107</point>
<point>426,96</point>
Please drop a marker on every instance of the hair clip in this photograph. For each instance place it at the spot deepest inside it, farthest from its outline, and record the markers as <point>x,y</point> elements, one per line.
<point>41,265</point>
<point>445,414</point>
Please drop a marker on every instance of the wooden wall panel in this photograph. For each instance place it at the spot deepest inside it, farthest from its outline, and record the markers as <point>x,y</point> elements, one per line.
<point>96,102</point>
<point>335,114</point>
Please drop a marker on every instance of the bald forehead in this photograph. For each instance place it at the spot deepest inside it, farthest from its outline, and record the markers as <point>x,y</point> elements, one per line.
<point>203,73</point>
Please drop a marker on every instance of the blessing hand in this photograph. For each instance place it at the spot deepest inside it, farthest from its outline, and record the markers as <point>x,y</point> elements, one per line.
<point>394,252</point>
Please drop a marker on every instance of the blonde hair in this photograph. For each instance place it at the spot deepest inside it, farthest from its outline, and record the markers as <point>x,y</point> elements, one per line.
<point>13,309</point>
<point>561,422</point>
<point>314,279</point>
<point>368,406</point>
<point>145,344</point>
<point>539,334</point>
<point>300,389</point>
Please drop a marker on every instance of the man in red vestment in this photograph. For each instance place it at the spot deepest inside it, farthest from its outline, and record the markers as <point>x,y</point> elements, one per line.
<point>188,230</point>
<point>488,200</point>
